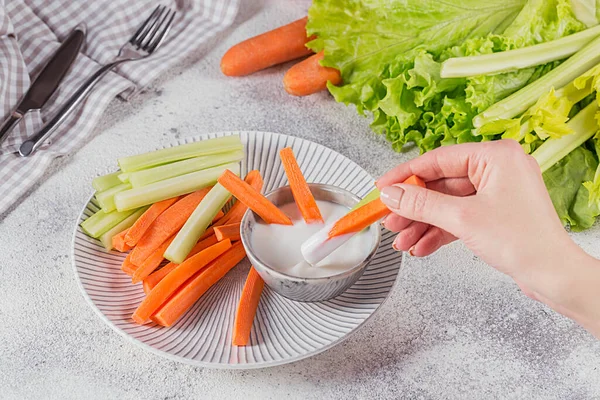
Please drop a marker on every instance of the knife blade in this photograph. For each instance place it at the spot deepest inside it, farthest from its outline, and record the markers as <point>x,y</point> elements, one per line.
<point>48,80</point>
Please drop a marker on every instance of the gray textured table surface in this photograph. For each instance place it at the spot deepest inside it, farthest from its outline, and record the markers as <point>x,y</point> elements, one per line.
<point>453,327</point>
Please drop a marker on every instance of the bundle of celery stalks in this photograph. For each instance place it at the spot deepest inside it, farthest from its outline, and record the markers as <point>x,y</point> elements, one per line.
<point>148,178</point>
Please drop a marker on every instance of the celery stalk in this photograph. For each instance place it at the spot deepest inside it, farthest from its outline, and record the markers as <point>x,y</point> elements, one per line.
<point>511,60</point>
<point>584,125</point>
<point>373,194</point>
<point>157,191</point>
<point>151,175</point>
<point>106,237</point>
<point>197,223</point>
<point>521,100</point>
<point>203,148</point>
<point>106,198</point>
<point>101,222</point>
<point>101,183</point>
<point>124,177</point>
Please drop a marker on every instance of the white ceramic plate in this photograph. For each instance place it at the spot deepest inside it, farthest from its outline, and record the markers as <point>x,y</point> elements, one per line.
<point>283,331</point>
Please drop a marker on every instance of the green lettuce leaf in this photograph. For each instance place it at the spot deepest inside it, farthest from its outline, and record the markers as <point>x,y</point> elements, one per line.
<point>565,186</point>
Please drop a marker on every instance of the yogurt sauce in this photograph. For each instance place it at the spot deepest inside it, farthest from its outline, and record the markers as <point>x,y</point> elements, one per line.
<point>278,246</point>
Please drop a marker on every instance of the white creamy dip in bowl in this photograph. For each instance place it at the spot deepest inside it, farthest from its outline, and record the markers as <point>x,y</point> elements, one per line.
<point>274,250</point>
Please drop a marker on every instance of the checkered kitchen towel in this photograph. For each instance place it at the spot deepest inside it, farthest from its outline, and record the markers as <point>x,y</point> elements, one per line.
<point>31,31</point>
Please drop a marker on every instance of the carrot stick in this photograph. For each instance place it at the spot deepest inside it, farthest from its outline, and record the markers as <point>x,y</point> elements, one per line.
<point>360,218</point>
<point>253,199</point>
<point>302,195</point>
<point>166,225</point>
<point>128,267</point>
<point>229,231</point>
<point>155,277</point>
<point>237,211</point>
<point>151,262</point>
<point>274,47</point>
<point>189,293</point>
<point>247,306</point>
<point>140,226</point>
<point>170,283</point>
<point>118,241</point>
<point>309,76</point>
<point>217,217</point>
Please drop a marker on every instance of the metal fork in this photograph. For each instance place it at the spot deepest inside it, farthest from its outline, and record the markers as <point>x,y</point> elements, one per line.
<point>145,41</point>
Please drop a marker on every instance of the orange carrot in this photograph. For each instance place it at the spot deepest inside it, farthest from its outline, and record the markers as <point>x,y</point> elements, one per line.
<point>151,262</point>
<point>302,195</point>
<point>128,267</point>
<point>359,219</point>
<point>140,226</point>
<point>271,48</point>
<point>253,199</point>
<point>166,225</point>
<point>247,306</point>
<point>193,289</point>
<point>118,242</point>
<point>217,217</point>
<point>309,76</point>
<point>237,211</point>
<point>229,231</point>
<point>170,283</point>
<point>155,277</point>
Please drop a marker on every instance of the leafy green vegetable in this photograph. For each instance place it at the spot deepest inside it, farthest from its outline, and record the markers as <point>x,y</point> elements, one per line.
<point>389,54</point>
<point>570,198</point>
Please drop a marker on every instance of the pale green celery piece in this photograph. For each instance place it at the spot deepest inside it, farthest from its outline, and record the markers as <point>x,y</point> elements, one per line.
<point>124,177</point>
<point>521,100</point>
<point>148,176</point>
<point>101,183</point>
<point>106,237</point>
<point>184,184</point>
<point>512,60</point>
<point>197,223</point>
<point>159,157</point>
<point>101,222</point>
<point>106,198</point>
<point>584,125</point>
<point>373,194</point>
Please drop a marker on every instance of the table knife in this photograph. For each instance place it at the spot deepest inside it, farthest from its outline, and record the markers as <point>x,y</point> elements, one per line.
<point>47,81</point>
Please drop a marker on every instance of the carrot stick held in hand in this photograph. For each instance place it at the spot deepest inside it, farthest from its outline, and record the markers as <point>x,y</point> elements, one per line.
<point>309,76</point>
<point>280,45</point>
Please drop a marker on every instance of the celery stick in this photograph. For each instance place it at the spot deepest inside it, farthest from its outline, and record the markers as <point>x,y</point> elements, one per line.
<point>553,150</point>
<point>101,183</point>
<point>157,191</point>
<point>521,100</point>
<point>124,177</point>
<point>373,194</point>
<point>106,237</point>
<point>101,222</point>
<point>197,223</point>
<point>147,176</point>
<point>106,198</point>
<point>203,148</point>
<point>511,60</point>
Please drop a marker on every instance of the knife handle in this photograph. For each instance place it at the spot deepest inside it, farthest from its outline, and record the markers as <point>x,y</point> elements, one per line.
<point>8,125</point>
<point>29,146</point>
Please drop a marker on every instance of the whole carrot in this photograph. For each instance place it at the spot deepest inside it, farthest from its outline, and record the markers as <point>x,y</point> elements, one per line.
<point>271,48</point>
<point>309,76</point>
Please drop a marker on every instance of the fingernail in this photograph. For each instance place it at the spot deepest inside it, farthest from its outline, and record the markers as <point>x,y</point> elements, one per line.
<point>391,195</point>
<point>411,251</point>
<point>382,222</point>
<point>394,246</point>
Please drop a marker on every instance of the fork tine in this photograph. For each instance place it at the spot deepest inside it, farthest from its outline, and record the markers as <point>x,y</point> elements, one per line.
<point>152,46</point>
<point>156,27</point>
<point>142,31</point>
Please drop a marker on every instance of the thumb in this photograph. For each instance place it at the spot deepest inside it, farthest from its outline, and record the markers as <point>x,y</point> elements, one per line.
<point>424,205</point>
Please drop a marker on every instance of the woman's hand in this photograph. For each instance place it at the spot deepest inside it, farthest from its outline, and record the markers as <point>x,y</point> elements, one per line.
<point>492,197</point>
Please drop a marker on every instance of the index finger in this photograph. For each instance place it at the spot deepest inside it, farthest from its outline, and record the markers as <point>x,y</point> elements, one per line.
<point>443,162</point>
